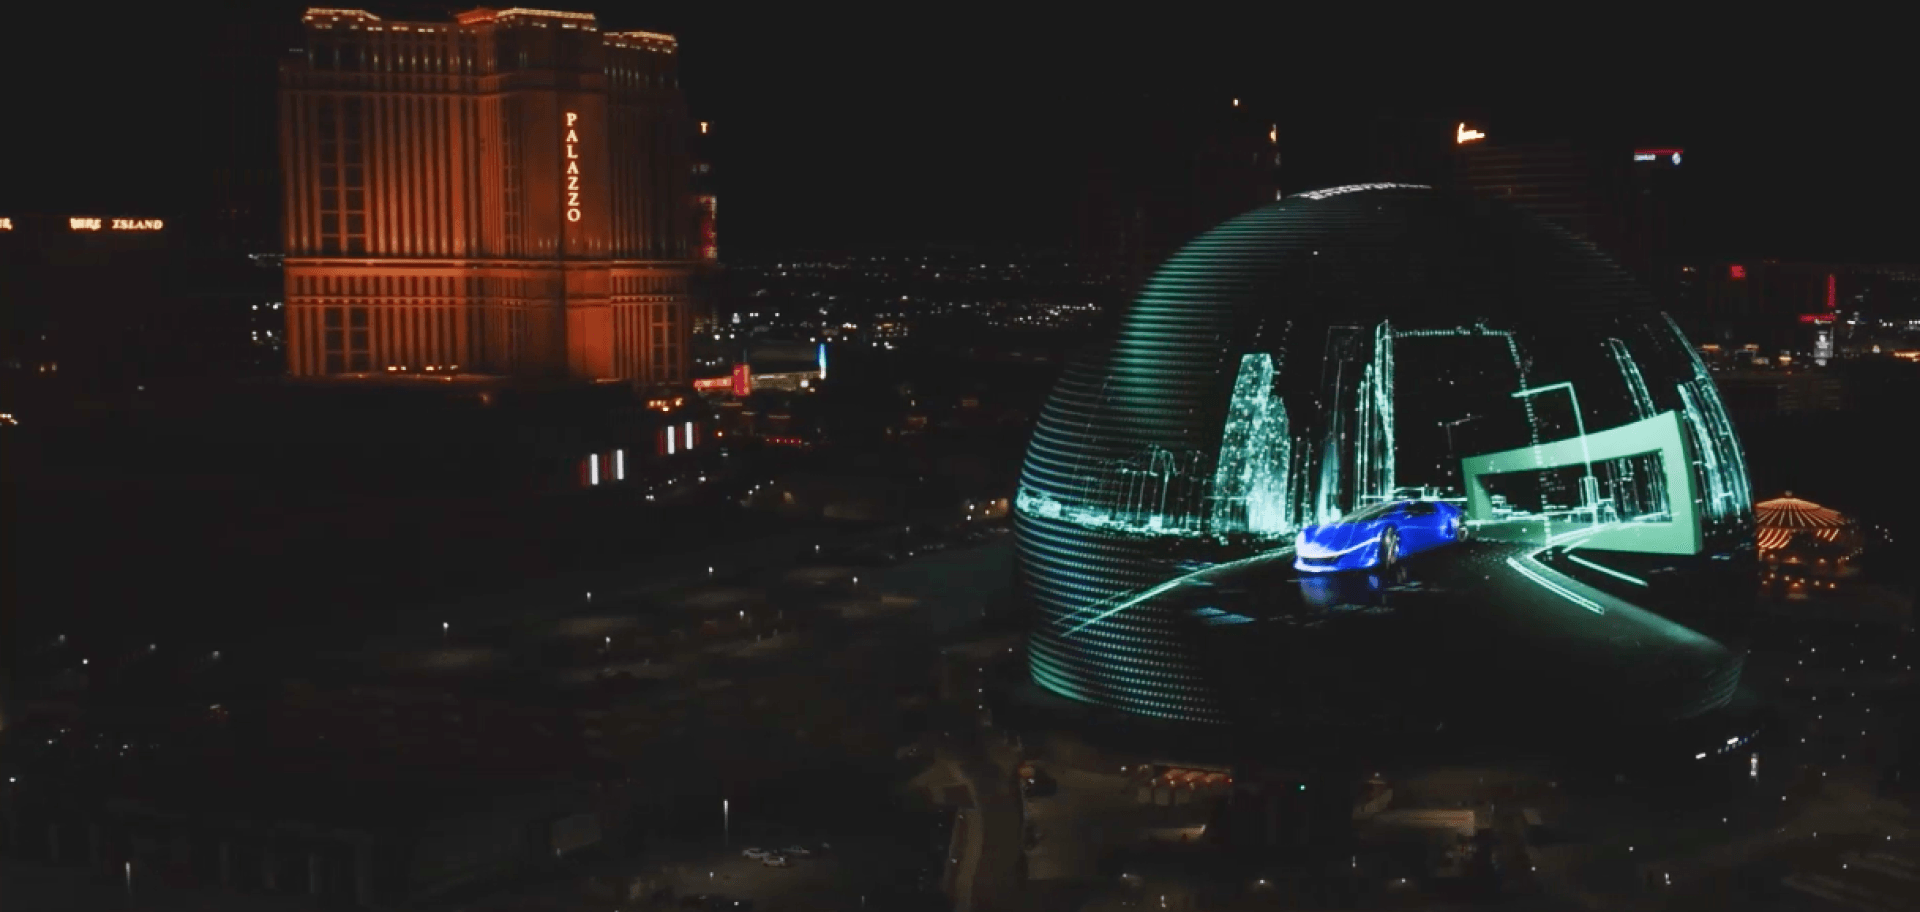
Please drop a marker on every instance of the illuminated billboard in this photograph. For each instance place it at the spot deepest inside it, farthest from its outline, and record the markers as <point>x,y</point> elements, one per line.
<point>90,223</point>
<point>1379,406</point>
<point>571,146</point>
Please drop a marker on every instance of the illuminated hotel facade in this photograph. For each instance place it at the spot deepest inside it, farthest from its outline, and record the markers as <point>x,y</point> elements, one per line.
<point>507,194</point>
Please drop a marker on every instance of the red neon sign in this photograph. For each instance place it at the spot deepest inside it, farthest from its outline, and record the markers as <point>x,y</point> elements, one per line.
<point>1832,299</point>
<point>1816,318</point>
<point>713,383</point>
<point>1736,271</point>
<point>742,380</point>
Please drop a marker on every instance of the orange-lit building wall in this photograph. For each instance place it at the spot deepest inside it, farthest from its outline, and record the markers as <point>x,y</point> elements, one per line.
<point>504,194</point>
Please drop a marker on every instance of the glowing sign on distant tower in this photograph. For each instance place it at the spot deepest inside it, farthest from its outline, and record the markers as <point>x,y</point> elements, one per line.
<point>1462,135</point>
<point>573,168</point>
<point>89,223</point>
<point>708,207</point>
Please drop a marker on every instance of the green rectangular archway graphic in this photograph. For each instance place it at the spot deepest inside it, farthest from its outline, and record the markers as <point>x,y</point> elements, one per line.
<point>1661,434</point>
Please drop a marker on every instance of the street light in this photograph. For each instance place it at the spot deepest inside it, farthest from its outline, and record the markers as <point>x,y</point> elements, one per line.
<point>726,824</point>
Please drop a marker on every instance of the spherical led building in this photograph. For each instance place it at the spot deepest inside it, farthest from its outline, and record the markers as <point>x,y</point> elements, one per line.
<point>1385,455</point>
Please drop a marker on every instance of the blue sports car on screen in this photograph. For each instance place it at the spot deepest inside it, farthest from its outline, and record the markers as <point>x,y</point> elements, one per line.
<point>1375,537</point>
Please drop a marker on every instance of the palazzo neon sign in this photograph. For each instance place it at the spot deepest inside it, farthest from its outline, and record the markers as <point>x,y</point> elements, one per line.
<point>573,168</point>
<point>1462,135</point>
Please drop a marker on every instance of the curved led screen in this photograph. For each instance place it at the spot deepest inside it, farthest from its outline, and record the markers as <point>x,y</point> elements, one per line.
<point>1365,436</point>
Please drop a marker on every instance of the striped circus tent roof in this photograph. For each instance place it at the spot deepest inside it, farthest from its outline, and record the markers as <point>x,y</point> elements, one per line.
<point>1793,513</point>
<point>1780,519</point>
<point>1773,539</point>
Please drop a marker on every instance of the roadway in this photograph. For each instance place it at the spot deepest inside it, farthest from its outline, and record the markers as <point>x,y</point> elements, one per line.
<point>991,877</point>
<point>1498,623</point>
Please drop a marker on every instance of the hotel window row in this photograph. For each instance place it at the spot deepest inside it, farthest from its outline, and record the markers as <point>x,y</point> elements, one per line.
<point>507,194</point>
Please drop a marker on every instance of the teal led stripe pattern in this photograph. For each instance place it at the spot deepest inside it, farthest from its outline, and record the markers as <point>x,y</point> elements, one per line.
<point>1333,350</point>
<point>1165,383</point>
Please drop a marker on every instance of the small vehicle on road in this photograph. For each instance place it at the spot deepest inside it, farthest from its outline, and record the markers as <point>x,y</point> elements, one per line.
<point>776,861</point>
<point>796,851</point>
<point>754,853</point>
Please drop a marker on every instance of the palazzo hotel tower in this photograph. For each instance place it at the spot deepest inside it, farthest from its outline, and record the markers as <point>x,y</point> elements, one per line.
<point>506,194</point>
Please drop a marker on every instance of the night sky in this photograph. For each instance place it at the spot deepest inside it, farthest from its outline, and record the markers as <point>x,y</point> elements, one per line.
<point>966,125</point>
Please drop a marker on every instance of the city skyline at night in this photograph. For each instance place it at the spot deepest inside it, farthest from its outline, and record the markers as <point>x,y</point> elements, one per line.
<point>1780,176</point>
<point>703,457</point>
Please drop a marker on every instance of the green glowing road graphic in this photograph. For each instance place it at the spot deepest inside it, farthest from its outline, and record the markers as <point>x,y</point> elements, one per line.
<point>1533,570</point>
<point>1122,602</point>
<point>1606,570</point>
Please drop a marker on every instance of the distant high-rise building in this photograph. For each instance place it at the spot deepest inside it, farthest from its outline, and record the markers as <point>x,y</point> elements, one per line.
<point>504,194</point>
<point>1552,180</point>
<point>1170,168</point>
<point>1623,198</point>
<point>1619,196</point>
<point>240,211</point>
<point>706,194</point>
<point>706,217</point>
<point>108,303</point>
